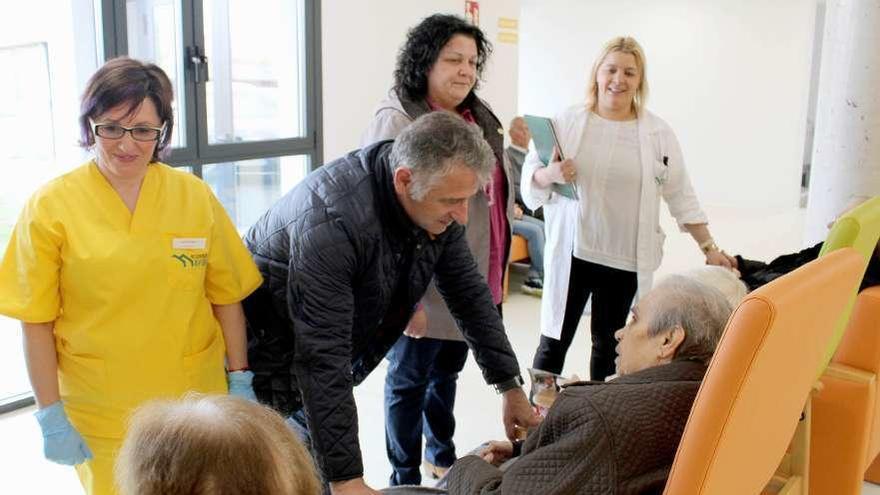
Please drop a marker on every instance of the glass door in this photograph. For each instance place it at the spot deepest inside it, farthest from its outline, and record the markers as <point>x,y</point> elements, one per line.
<point>244,74</point>
<point>256,85</point>
<point>156,31</point>
<point>254,97</point>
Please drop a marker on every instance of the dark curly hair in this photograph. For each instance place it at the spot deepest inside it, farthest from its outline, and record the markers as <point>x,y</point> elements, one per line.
<point>422,47</point>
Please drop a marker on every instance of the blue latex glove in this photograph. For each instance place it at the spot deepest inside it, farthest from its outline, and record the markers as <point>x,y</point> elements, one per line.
<point>61,442</point>
<point>241,384</point>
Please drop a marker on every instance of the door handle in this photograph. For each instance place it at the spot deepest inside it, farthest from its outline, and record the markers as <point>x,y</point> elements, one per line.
<point>199,62</point>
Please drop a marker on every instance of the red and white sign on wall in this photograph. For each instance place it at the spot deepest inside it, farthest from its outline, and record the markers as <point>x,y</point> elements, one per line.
<point>472,12</point>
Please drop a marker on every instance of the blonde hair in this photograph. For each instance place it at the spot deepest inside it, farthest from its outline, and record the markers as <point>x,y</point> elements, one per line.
<point>212,445</point>
<point>622,44</point>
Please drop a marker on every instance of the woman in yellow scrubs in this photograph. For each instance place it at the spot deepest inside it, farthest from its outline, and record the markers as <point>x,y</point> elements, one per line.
<point>127,276</point>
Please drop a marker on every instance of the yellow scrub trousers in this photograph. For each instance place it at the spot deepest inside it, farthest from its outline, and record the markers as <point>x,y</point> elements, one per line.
<point>96,475</point>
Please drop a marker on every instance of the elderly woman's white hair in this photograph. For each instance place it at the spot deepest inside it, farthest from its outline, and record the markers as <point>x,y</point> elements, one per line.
<point>699,309</point>
<point>726,281</point>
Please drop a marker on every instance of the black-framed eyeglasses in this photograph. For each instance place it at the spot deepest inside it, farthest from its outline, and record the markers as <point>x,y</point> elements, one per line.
<point>138,133</point>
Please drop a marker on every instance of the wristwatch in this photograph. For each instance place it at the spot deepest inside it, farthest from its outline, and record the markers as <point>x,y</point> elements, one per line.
<point>510,384</point>
<point>708,246</point>
<point>517,447</point>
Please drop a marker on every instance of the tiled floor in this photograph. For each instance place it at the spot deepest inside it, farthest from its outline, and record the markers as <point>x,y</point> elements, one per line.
<point>756,234</point>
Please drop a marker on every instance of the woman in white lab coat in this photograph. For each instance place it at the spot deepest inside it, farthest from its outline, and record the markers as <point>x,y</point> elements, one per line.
<point>607,244</point>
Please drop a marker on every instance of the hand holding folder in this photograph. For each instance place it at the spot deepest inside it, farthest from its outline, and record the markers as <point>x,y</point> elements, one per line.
<point>547,145</point>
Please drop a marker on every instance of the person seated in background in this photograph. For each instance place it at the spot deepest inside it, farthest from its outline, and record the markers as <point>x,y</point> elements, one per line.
<point>526,223</point>
<point>618,436</point>
<point>212,445</point>
<point>757,273</point>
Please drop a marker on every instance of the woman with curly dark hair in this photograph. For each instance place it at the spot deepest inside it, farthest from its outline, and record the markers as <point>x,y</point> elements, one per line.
<point>438,68</point>
<point>419,55</point>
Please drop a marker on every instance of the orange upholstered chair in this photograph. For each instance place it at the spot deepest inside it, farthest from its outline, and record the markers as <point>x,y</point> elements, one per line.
<point>872,474</point>
<point>759,382</point>
<point>846,413</point>
<point>519,250</point>
<point>846,432</point>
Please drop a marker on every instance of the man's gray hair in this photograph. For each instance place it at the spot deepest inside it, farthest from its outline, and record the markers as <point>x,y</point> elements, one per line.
<point>700,310</point>
<point>436,142</point>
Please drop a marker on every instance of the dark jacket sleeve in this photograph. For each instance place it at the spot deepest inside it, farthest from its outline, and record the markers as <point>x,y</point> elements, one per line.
<point>321,306</point>
<point>468,298</point>
<point>570,452</point>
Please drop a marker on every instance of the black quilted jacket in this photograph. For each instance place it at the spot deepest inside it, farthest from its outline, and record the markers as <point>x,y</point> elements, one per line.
<point>343,268</point>
<point>757,273</point>
<point>614,438</point>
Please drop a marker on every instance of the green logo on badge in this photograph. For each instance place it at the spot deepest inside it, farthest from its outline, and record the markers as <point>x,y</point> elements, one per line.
<point>183,259</point>
<point>191,262</point>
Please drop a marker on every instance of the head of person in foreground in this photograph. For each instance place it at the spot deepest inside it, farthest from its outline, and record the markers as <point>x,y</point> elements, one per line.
<point>212,445</point>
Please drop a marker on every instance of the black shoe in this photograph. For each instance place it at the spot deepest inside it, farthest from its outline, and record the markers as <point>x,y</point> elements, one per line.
<point>533,286</point>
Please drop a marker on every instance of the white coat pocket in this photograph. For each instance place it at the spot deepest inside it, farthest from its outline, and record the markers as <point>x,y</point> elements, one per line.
<point>661,171</point>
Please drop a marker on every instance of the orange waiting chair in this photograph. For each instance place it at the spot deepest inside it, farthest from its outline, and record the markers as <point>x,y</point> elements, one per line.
<point>846,413</point>
<point>519,251</point>
<point>758,386</point>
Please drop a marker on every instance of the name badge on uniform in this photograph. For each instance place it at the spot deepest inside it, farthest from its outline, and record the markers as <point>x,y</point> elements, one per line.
<point>188,243</point>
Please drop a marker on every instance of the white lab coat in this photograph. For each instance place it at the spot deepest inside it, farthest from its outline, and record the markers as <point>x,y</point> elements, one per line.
<point>656,140</point>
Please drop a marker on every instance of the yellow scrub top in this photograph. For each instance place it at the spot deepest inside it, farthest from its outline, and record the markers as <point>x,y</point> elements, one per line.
<point>130,294</point>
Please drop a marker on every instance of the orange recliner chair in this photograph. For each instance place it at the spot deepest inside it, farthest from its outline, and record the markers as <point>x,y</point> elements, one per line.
<point>846,413</point>
<point>759,383</point>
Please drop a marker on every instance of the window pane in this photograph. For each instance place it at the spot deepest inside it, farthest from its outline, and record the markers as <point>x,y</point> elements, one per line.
<point>154,35</point>
<point>248,188</point>
<point>53,56</point>
<point>256,52</point>
<point>13,379</point>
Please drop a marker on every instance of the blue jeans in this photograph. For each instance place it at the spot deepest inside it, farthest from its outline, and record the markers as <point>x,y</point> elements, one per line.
<point>297,423</point>
<point>532,230</point>
<point>419,399</point>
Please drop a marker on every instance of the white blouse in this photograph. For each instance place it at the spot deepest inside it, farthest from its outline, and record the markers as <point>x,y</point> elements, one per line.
<point>609,180</point>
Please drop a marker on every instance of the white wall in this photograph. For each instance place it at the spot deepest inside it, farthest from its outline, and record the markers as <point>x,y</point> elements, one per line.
<point>360,40</point>
<point>731,77</point>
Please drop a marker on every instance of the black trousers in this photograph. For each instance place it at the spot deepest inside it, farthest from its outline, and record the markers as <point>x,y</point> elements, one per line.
<point>613,291</point>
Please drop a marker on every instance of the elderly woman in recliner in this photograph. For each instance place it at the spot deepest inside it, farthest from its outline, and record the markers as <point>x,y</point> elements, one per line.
<point>619,436</point>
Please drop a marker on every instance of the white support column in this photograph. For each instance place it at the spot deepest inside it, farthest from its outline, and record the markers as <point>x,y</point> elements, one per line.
<point>846,154</point>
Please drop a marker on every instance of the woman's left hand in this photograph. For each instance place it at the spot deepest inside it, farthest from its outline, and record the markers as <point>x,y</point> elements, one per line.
<point>241,384</point>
